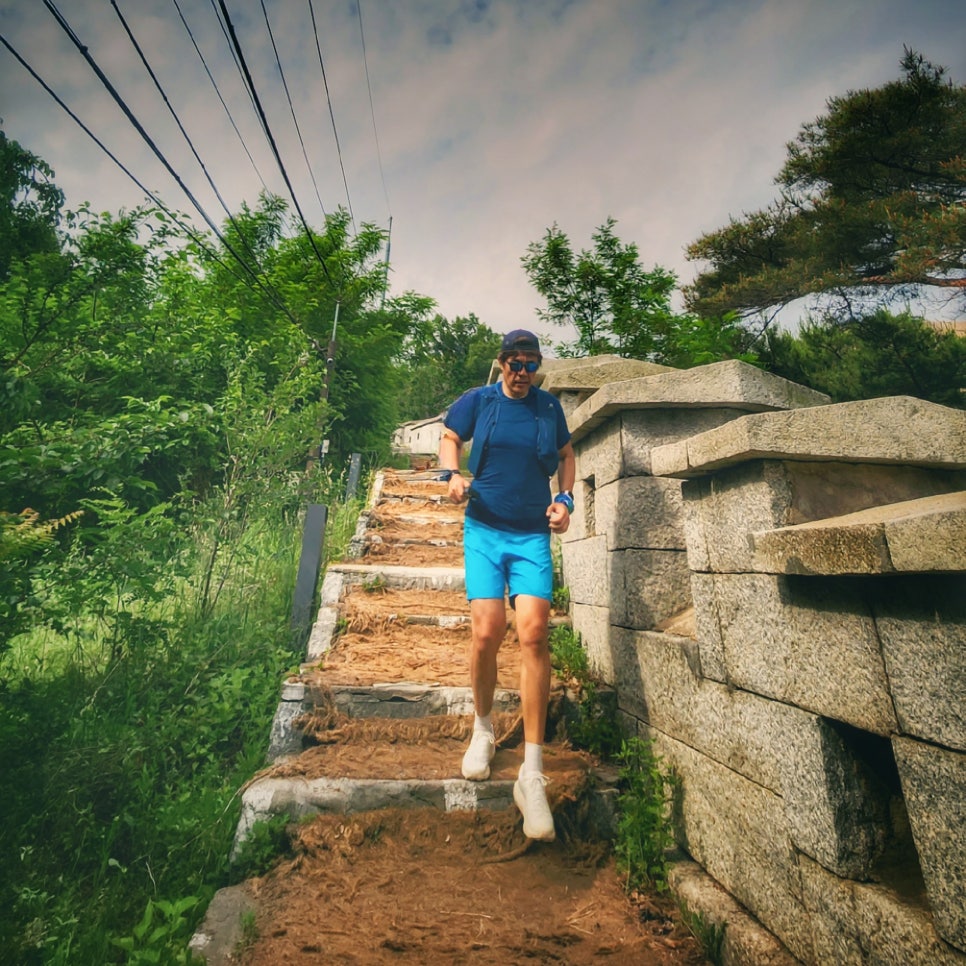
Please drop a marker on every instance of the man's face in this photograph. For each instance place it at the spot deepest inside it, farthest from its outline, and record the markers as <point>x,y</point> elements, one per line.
<point>518,383</point>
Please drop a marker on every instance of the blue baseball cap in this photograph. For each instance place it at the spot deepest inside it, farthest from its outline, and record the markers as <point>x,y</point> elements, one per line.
<point>520,340</point>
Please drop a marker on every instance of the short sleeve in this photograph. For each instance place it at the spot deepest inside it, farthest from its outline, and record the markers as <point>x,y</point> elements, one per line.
<point>461,417</point>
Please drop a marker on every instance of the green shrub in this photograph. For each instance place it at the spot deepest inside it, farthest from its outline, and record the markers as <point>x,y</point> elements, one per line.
<point>643,827</point>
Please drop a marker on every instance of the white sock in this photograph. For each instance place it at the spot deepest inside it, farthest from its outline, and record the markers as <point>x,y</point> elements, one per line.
<point>532,757</point>
<point>482,723</point>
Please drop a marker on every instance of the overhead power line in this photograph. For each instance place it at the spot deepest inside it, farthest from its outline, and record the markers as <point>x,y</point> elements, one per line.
<point>231,218</point>
<point>372,112</point>
<point>291,107</point>
<point>328,98</point>
<point>214,84</point>
<point>183,225</point>
<point>271,140</point>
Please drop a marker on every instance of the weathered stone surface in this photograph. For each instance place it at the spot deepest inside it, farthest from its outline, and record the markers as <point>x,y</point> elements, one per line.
<point>721,385</point>
<point>837,808</point>
<point>641,512</point>
<point>598,371</point>
<point>284,738</point>
<point>807,641</point>
<point>600,457</point>
<point>586,571</point>
<point>405,700</point>
<point>220,934</point>
<point>408,578</point>
<point>892,429</point>
<point>642,430</point>
<point>593,626</point>
<point>648,586</point>
<point>737,830</point>
<point>928,534</point>
<point>934,787</point>
<point>322,633</point>
<point>862,924</point>
<point>299,797</point>
<point>721,512</point>
<point>708,627</point>
<point>747,733</point>
<point>921,622</point>
<point>745,940</point>
<point>724,511</point>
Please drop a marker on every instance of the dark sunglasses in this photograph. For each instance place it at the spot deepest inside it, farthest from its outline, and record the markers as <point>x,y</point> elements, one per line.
<point>516,366</point>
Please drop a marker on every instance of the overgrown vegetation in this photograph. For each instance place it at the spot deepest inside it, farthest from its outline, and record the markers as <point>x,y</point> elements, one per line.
<point>710,934</point>
<point>644,835</point>
<point>156,414</point>
<point>128,727</point>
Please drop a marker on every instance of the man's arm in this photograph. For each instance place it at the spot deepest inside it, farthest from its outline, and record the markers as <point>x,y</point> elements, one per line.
<point>567,470</point>
<point>450,450</point>
<point>558,513</point>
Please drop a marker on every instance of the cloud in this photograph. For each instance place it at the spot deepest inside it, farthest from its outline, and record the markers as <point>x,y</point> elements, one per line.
<point>494,119</point>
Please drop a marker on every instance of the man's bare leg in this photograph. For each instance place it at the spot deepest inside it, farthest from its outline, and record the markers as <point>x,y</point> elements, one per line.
<point>529,790</point>
<point>489,628</point>
<point>533,615</point>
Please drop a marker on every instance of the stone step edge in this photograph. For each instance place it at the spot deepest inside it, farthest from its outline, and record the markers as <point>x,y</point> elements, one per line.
<point>300,797</point>
<point>400,700</point>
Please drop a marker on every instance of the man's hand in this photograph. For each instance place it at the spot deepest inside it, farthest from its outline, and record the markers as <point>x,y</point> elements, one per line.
<point>457,488</point>
<point>559,517</point>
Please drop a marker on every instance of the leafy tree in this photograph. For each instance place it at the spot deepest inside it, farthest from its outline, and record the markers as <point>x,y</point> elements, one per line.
<point>870,206</point>
<point>444,359</point>
<point>618,307</point>
<point>878,354</point>
<point>30,205</point>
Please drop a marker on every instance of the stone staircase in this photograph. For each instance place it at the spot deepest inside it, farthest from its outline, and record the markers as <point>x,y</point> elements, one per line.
<point>380,713</point>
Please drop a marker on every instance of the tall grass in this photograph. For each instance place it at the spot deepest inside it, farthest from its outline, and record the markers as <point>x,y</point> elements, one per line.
<point>130,718</point>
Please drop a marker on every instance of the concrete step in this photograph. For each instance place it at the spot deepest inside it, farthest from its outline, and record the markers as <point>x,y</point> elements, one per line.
<point>359,772</point>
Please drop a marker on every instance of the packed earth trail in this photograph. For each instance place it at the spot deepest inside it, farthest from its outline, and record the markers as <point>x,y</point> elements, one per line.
<point>390,856</point>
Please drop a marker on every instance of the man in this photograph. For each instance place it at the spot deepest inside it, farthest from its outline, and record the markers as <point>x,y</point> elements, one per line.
<point>520,440</point>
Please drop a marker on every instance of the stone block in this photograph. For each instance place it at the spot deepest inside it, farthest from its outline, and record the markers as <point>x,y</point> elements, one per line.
<point>586,571</point>
<point>708,627</point>
<point>893,429</point>
<point>599,455</point>
<point>656,678</point>
<point>721,512</point>
<point>915,536</point>
<point>921,622</point>
<point>721,385</point>
<point>934,788</point>
<point>806,641</point>
<point>596,372</point>
<point>745,939</point>
<point>724,514</point>
<point>866,924</point>
<point>641,512</point>
<point>593,626</point>
<point>644,429</point>
<point>648,586</point>
<point>837,807</point>
<point>737,830</point>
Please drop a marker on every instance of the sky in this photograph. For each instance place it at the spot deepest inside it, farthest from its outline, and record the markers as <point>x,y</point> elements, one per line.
<point>474,125</point>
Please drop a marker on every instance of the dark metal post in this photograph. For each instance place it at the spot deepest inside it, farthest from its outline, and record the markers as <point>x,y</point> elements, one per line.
<point>355,467</point>
<point>310,564</point>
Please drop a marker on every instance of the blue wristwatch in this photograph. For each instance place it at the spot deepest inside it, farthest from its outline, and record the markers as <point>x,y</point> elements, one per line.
<point>566,499</point>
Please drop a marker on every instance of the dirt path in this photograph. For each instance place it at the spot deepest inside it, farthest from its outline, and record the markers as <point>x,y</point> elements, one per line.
<point>421,885</point>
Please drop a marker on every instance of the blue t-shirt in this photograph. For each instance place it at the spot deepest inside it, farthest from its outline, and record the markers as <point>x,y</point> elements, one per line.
<point>511,490</point>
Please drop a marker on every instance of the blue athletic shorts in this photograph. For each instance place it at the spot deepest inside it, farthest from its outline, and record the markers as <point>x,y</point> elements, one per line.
<point>499,559</point>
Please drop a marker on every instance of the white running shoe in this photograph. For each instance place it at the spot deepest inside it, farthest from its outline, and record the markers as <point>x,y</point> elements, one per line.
<point>476,761</point>
<point>530,795</point>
